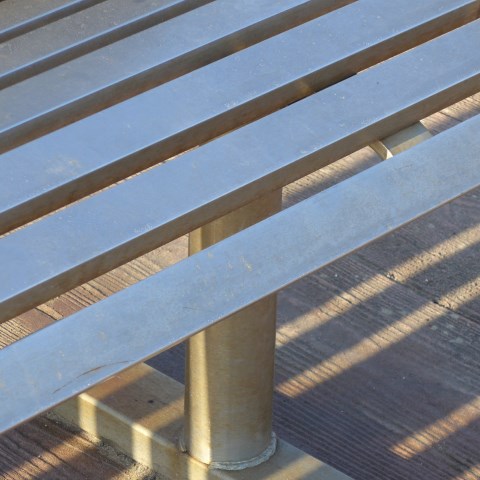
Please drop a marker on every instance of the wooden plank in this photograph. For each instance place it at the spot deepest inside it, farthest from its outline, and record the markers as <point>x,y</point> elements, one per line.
<point>42,449</point>
<point>376,364</point>
<point>84,85</point>
<point>57,42</point>
<point>70,356</point>
<point>264,156</point>
<point>20,16</point>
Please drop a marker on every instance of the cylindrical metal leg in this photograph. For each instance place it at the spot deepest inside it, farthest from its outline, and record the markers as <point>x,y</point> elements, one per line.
<point>229,371</point>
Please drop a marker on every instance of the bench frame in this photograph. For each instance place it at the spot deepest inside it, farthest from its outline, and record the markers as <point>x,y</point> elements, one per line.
<point>230,364</point>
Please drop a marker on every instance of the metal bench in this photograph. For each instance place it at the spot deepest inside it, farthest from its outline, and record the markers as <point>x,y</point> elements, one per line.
<point>287,87</point>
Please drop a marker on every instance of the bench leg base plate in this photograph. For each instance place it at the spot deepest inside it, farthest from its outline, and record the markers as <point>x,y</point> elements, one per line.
<point>140,412</point>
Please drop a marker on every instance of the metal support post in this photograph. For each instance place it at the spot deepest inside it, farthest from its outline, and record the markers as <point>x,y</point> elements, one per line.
<point>230,366</point>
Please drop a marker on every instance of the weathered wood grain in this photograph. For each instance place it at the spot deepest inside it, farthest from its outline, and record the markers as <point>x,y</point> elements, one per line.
<point>43,450</point>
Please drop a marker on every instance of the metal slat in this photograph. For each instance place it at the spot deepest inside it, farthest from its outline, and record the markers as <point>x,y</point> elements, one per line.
<point>85,240</point>
<point>58,168</point>
<point>20,16</point>
<point>68,357</point>
<point>84,31</point>
<point>132,65</point>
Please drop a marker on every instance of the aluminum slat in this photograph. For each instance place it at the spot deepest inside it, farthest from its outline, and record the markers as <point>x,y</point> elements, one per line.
<point>84,31</point>
<point>85,240</point>
<point>66,358</point>
<point>51,171</point>
<point>20,16</point>
<point>129,66</point>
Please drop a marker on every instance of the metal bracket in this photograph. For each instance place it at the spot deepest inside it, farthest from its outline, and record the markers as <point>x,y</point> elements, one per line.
<point>401,141</point>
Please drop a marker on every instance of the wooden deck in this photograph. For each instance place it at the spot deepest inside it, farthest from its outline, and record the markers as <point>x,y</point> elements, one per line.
<point>378,358</point>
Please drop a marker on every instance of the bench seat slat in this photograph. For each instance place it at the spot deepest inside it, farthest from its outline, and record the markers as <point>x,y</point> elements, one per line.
<point>80,351</point>
<point>53,170</point>
<point>72,246</point>
<point>20,16</point>
<point>77,34</point>
<point>132,65</point>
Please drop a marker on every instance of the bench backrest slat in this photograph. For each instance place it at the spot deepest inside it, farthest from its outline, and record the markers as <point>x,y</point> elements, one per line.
<point>84,31</point>
<point>169,119</point>
<point>189,41</point>
<point>80,351</point>
<point>20,16</point>
<point>74,245</point>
